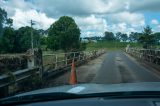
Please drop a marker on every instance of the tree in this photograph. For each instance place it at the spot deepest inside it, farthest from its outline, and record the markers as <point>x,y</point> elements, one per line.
<point>7,33</point>
<point>64,34</point>
<point>118,36</point>
<point>3,18</point>
<point>8,40</point>
<point>121,37</point>
<point>43,40</point>
<point>124,37</point>
<point>109,36</point>
<point>134,36</point>
<point>147,38</point>
<point>4,21</point>
<point>23,39</point>
<point>157,37</point>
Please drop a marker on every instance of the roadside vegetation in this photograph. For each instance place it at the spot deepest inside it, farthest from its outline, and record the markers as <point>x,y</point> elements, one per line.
<point>110,45</point>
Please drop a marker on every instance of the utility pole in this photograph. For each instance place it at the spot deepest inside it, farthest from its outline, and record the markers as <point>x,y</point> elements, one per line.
<point>32,34</point>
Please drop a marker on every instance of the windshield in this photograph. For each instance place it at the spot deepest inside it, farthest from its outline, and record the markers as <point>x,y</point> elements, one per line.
<point>54,43</point>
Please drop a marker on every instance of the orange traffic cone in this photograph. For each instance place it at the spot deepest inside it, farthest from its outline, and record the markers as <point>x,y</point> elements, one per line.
<point>73,76</point>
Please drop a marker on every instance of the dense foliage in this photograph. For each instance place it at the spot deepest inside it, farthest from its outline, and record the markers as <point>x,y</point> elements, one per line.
<point>64,34</point>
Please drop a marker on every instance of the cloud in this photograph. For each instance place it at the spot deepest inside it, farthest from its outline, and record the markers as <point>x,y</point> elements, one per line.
<point>145,5</point>
<point>154,21</point>
<point>93,16</point>
<point>22,18</point>
<point>122,27</point>
<point>11,5</point>
<point>133,19</point>
<point>91,22</point>
<point>81,7</point>
<point>91,25</point>
<point>88,7</point>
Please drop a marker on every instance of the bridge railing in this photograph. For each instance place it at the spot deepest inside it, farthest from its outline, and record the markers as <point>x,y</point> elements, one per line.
<point>54,62</point>
<point>150,55</point>
<point>43,64</point>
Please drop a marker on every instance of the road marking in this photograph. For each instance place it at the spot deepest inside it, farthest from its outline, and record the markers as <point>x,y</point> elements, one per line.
<point>76,89</point>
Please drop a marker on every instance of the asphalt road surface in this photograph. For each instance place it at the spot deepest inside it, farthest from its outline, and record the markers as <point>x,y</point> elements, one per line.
<point>110,68</point>
<point>118,67</point>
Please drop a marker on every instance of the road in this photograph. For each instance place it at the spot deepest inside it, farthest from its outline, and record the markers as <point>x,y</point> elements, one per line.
<point>118,67</point>
<point>110,68</point>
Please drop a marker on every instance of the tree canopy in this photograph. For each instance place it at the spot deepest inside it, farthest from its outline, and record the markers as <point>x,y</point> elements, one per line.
<point>64,34</point>
<point>109,36</point>
<point>147,38</point>
<point>23,37</point>
<point>4,20</point>
<point>121,37</point>
<point>18,40</point>
<point>134,36</point>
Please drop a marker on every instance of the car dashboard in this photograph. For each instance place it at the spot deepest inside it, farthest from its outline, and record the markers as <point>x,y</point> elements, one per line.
<point>98,101</point>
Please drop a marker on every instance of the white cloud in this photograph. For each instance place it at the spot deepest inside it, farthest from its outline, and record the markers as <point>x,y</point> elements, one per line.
<point>92,25</point>
<point>91,20</point>
<point>11,6</point>
<point>131,30</point>
<point>80,7</point>
<point>93,16</point>
<point>127,5</point>
<point>122,27</point>
<point>87,7</point>
<point>133,19</point>
<point>155,22</point>
<point>22,18</point>
<point>144,5</point>
<point>91,34</point>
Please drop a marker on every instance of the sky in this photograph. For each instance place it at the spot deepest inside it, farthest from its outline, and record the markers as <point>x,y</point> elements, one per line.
<point>92,16</point>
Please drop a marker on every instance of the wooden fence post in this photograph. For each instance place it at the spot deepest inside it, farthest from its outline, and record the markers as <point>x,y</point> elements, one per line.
<point>74,54</point>
<point>56,64</point>
<point>40,62</point>
<point>79,57</point>
<point>31,59</point>
<point>35,60</point>
<point>66,60</point>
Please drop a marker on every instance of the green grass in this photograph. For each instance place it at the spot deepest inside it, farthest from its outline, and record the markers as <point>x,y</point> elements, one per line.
<point>110,45</point>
